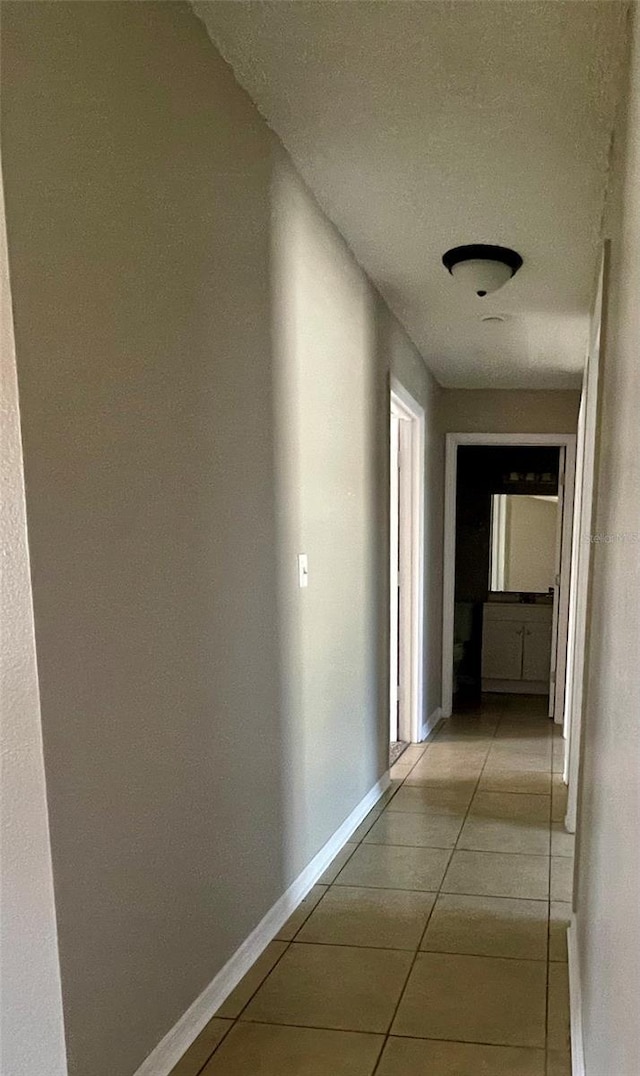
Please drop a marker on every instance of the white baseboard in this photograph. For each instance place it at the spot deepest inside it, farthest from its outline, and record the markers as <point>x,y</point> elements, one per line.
<point>174,1044</point>
<point>430,723</point>
<point>575,996</point>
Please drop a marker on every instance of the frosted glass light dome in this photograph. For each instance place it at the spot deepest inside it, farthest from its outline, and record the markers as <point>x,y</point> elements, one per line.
<point>481,268</point>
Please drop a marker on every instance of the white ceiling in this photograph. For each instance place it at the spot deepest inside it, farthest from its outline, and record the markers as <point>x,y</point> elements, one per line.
<point>424,125</point>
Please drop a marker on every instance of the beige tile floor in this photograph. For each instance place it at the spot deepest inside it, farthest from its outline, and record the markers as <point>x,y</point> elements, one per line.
<point>435,944</point>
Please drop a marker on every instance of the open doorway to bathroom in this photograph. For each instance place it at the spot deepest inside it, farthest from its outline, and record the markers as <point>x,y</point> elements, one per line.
<point>507,561</point>
<point>406,570</point>
<point>507,554</point>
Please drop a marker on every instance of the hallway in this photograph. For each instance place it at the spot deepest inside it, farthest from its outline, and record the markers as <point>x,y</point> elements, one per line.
<point>435,943</point>
<point>228,233</point>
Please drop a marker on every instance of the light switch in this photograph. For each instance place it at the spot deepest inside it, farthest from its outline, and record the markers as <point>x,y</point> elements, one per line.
<point>303,570</point>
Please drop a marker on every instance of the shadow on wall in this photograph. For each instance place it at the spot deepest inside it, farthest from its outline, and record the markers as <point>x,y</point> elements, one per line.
<point>203,397</point>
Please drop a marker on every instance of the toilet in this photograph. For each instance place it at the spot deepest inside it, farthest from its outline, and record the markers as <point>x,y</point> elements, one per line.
<point>462,627</point>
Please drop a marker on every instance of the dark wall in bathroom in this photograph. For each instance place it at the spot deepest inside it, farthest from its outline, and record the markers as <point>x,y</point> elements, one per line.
<point>482,471</point>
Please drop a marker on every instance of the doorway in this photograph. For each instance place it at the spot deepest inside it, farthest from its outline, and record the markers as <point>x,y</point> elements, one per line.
<point>406,569</point>
<point>584,510</point>
<point>528,625</point>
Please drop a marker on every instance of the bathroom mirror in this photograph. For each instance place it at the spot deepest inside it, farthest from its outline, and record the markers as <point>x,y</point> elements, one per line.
<point>524,535</point>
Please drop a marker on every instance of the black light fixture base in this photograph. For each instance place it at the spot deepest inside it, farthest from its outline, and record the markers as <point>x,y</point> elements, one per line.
<point>482,252</point>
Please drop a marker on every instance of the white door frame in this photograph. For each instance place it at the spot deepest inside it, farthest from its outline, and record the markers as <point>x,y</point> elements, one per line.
<point>395,717</point>
<point>583,522</point>
<point>453,441</point>
<point>411,560</point>
<point>557,577</point>
<point>498,540</point>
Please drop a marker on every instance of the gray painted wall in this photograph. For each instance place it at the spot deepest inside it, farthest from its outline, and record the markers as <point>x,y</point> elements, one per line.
<point>329,388</point>
<point>138,198</point>
<point>200,403</point>
<point>508,411</point>
<point>608,850</point>
<point>31,1031</point>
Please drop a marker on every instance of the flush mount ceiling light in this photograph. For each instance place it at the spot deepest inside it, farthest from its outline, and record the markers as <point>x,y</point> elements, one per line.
<point>480,267</point>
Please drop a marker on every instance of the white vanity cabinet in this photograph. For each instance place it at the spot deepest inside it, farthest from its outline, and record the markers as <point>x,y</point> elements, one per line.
<point>516,647</point>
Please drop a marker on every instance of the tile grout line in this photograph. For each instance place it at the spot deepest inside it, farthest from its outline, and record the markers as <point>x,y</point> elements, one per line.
<point>415,956</point>
<point>435,952</point>
<point>404,987</point>
<point>426,926</point>
<point>473,796</point>
<point>412,1038</point>
<point>455,848</point>
<point>219,1043</point>
<point>445,892</point>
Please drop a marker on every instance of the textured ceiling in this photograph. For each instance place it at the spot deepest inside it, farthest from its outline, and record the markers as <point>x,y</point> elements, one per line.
<point>421,126</point>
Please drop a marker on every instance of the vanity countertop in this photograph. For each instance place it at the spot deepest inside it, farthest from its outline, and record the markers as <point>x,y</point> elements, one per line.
<point>517,611</point>
<point>507,597</point>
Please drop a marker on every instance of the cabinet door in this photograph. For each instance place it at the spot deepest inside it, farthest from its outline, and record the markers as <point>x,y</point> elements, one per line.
<point>536,659</point>
<point>502,649</point>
